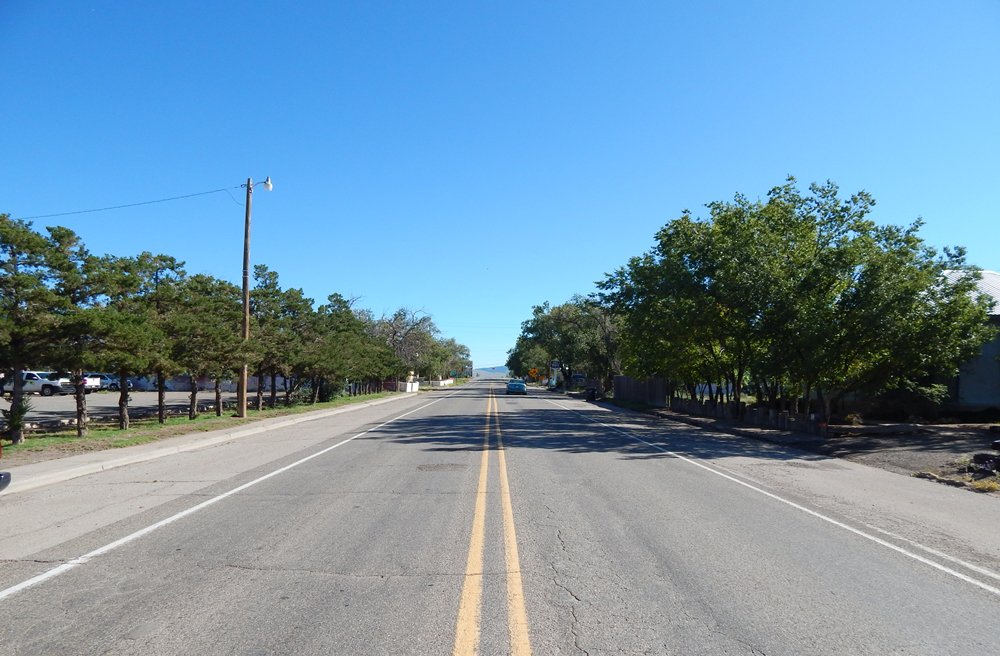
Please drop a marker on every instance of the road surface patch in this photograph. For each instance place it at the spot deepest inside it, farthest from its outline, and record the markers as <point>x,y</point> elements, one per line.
<point>927,561</point>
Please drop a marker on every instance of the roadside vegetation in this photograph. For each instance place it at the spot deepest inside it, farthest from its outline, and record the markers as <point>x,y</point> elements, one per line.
<point>65,309</point>
<point>59,443</point>
<point>797,301</point>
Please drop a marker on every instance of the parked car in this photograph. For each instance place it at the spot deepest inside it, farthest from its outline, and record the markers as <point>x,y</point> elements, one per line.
<point>516,386</point>
<point>109,382</point>
<point>48,383</point>
<point>91,382</point>
<point>45,383</point>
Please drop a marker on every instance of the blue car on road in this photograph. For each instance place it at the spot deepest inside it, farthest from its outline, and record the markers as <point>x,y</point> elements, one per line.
<point>516,386</point>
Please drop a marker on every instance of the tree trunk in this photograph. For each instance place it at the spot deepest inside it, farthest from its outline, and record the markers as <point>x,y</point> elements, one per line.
<point>80,392</point>
<point>314,392</point>
<point>123,417</point>
<point>193,406</point>
<point>738,391</point>
<point>260,389</point>
<point>218,396</point>
<point>16,399</point>
<point>824,403</point>
<point>161,398</point>
<point>274,389</point>
<point>288,394</point>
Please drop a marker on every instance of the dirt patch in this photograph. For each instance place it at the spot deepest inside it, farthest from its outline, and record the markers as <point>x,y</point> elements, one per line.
<point>946,452</point>
<point>30,455</point>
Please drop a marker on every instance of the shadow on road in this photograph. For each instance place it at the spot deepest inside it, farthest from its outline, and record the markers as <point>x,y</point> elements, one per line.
<point>535,423</point>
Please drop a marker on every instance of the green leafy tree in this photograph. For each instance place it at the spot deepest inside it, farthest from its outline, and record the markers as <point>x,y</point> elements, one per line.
<point>270,340</point>
<point>205,331</point>
<point>407,332</point>
<point>132,333</point>
<point>526,355</point>
<point>26,308</point>
<point>582,334</point>
<point>160,298</point>
<point>81,284</point>
<point>801,291</point>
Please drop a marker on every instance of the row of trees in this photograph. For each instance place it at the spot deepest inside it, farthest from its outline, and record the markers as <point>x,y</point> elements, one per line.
<point>62,307</point>
<point>583,334</point>
<point>799,296</point>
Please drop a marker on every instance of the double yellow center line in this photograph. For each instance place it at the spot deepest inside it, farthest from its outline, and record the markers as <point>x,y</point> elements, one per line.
<point>469,611</point>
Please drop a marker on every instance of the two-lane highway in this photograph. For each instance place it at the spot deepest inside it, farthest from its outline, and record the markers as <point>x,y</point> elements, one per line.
<point>467,522</point>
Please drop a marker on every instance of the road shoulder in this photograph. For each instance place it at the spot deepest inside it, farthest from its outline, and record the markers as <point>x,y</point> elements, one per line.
<point>907,510</point>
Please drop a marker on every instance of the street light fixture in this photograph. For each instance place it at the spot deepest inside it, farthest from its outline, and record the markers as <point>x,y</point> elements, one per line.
<point>241,389</point>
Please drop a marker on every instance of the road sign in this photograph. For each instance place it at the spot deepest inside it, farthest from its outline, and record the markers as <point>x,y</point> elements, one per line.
<point>554,364</point>
<point>533,373</point>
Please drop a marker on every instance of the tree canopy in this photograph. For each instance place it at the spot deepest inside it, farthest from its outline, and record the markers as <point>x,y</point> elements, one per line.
<point>64,308</point>
<point>797,295</point>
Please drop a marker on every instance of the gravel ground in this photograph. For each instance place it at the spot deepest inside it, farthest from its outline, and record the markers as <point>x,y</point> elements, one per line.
<point>937,450</point>
<point>944,450</point>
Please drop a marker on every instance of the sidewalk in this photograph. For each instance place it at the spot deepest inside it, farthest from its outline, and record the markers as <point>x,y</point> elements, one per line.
<point>28,477</point>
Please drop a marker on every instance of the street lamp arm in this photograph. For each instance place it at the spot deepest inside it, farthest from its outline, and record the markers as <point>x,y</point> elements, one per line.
<point>267,184</point>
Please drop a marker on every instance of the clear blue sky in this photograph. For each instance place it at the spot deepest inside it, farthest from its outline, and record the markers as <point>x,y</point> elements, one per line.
<point>475,159</point>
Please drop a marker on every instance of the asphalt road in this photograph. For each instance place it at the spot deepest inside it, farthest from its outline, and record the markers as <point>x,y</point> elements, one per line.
<point>577,531</point>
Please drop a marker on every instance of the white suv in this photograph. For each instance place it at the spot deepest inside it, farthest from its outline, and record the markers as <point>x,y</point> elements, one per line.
<point>45,383</point>
<point>48,383</point>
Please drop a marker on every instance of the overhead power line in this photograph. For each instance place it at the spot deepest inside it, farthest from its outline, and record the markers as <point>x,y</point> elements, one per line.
<point>119,207</point>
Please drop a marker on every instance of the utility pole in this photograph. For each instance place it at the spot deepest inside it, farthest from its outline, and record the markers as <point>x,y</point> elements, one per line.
<point>241,390</point>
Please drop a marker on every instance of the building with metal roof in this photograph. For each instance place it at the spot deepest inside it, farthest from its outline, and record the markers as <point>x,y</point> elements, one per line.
<point>977,386</point>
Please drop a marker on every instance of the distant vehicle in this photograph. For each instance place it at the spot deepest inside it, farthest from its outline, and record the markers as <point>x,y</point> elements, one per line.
<point>108,382</point>
<point>516,386</point>
<point>91,382</point>
<point>147,384</point>
<point>45,383</point>
<point>578,379</point>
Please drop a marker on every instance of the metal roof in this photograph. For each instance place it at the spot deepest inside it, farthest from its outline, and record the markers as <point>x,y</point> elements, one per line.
<point>989,284</point>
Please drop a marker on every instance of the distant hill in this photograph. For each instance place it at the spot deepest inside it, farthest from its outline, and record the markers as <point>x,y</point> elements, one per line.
<point>491,372</point>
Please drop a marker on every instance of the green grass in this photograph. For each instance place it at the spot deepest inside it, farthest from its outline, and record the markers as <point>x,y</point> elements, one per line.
<point>149,430</point>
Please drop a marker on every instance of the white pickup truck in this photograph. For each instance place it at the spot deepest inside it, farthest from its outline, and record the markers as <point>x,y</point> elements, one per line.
<point>48,383</point>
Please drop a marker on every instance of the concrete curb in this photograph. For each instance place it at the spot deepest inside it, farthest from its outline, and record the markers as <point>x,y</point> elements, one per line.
<point>29,477</point>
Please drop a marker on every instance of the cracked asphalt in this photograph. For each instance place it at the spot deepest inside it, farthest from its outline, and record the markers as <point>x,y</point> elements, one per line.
<point>625,548</point>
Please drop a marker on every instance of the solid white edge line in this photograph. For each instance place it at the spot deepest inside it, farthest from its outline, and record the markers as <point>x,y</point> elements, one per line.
<point>877,540</point>
<point>917,545</point>
<point>70,564</point>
